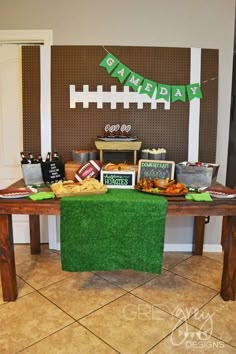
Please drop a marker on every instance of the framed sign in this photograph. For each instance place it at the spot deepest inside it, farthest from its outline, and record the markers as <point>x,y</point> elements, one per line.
<point>156,169</point>
<point>118,179</point>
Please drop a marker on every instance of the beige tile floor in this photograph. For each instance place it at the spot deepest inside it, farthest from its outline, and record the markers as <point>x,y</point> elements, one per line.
<point>178,311</point>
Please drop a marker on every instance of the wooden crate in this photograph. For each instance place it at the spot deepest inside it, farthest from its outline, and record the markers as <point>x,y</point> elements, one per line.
<point>71,168</point>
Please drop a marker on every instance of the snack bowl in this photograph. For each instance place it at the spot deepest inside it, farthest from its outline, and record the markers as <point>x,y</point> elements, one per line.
<point>163,183</point>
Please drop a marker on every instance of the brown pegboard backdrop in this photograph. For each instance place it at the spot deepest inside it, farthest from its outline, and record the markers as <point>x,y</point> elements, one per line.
<point>208,108</point>
<point>79,127</point>
<point>31,99</point>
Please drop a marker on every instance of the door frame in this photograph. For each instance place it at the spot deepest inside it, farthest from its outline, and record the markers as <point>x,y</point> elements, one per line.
<point>26,36</point>
<point>44,37</point>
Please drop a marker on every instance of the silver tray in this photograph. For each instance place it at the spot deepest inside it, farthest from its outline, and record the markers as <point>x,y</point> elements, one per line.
<point>118,138</point>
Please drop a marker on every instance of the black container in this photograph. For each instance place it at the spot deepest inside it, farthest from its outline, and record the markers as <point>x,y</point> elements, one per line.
<point>53,171</point>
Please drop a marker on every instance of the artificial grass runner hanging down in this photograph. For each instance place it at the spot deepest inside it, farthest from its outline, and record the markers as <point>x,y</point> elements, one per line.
<point>122,229</point>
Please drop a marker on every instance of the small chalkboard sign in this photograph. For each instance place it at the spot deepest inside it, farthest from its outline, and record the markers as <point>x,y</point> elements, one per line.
<point>53,171</point>
<point>156,169</point>
<point>118,179</point>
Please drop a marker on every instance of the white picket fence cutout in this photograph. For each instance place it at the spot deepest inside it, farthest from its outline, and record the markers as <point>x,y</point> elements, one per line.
<point>113,97</point>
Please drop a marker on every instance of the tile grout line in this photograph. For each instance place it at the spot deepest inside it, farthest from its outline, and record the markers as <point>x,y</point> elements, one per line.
<point>200,328</point>
<point>149,303</point>
<point>110,302</point>
<point>205,331</point>
<point>178,263</point>
<point>194,281</point>
<point>51,334</point>
<point>44,287</point>
<point>184,321</point>
<point>58,281</point>
<point>128,291</point>
<point>156,345</point>
<point>141,284</point>
<point>81,324</point>
<point>214,260</point>
<point>214,336</point>
<point>74,320</point>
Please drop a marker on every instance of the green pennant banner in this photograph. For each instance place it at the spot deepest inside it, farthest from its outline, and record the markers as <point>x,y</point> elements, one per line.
<point>163,91</point>
<point>129,78</point>
<point>194,91</point>
<point>148,87</point>
<point>121,72</point>
<point>178,93</point>
<point>109,62</point>
<point>134,80</point>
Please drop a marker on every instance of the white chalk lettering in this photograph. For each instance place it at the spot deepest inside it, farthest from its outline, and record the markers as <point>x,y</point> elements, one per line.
<point>110,61</point>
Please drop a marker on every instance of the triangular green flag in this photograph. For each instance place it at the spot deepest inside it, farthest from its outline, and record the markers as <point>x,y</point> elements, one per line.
<point>134,80</point>
<point>121,72</point>
<point>194,91</point>
<point>148,87</point>
<point>109,62</point>
<point>178,93</point>
<point>163,91</point>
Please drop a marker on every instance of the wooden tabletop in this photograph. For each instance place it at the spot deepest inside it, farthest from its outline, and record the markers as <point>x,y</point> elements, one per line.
<point>176,206</point>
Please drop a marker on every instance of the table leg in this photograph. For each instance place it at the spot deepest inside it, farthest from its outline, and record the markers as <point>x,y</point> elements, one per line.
<point>34,234</point>
<point>224,230</point>
<point>228,283</point>
<point>198,235</point>
<point>7,259</point>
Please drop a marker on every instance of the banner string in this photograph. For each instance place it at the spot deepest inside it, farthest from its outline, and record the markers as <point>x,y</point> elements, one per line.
<point>203,82</point>
<point>106,49</point>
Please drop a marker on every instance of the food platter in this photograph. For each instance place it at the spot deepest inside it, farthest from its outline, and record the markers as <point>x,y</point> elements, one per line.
<point>219,192</point>
<point>88,186</point>
<point>221,195</point>
<point>13,193</point>
<point>161,193</point>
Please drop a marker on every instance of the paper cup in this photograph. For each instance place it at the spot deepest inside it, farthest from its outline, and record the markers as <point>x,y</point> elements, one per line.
<point>154,156</point>
<point>93,155</point>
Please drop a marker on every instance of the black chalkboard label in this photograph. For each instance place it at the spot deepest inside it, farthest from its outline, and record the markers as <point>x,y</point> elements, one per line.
<point>156,169</point>
<point>53,171</point>
<point>118,179</point>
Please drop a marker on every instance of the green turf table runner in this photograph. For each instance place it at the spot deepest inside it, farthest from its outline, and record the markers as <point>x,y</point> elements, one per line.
<point>122,229</point>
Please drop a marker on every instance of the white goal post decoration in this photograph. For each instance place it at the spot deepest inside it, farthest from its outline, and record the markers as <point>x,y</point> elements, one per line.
<point>113,97</point>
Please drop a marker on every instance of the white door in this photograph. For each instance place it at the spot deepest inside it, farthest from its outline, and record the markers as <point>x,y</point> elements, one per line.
<point>11,132</point>
<point>11,140</point>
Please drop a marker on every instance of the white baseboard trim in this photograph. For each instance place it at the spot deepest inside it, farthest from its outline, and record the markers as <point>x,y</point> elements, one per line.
<point>180,247</point>
<point>212,248</point>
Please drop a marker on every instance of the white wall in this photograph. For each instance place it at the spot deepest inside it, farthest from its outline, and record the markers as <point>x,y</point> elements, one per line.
<point>169,23</point>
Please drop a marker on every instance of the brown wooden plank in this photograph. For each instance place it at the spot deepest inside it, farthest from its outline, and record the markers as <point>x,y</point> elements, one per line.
<point>7,259</point>
<point>176,206</point>
<point>198,235</point>
<point>34,234</point>
<point>228,283</point>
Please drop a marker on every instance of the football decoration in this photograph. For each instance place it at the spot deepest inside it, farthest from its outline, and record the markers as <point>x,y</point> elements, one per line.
<point>91,168</point>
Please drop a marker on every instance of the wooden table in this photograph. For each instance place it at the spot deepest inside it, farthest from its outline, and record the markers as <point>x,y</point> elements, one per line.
<point>177,206</point>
